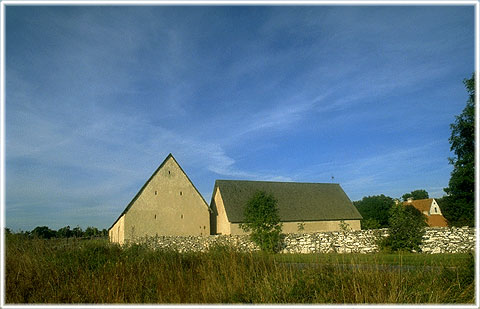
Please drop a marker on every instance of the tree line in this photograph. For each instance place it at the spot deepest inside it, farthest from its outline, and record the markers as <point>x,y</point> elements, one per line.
<point>65,232</point>
<point>376,210</point>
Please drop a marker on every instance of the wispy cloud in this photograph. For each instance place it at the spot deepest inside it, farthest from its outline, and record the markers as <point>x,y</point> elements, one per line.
<point>391,172</point>
<point>98,96</point>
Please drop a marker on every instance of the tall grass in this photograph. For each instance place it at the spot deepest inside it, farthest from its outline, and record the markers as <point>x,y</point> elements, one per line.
<point>95,271</point>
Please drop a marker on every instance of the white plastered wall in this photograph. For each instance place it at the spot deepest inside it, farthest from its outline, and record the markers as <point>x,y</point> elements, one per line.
<point>168,205</point>
<point>434,208</point>
<point>308,227</point>
<point>117,232</point>
<point>223,225</point>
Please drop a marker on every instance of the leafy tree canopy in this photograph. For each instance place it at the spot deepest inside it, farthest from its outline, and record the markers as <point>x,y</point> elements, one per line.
<point>406,228</point>
<point>65,232</point>
<point>459,204</point>
<point>43,232</point>
<point>91,231</point>
<point>415,195</point>
<point>77,231</point>
<point>263,221</point>
<point>374,210</point>
<point>370,224</point>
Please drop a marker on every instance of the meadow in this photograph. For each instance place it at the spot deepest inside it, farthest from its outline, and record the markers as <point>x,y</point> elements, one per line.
<point>95,271</point>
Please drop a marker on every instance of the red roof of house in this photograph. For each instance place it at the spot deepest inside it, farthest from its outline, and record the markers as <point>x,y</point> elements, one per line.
<point>437,221</point>
<point>424,205</point>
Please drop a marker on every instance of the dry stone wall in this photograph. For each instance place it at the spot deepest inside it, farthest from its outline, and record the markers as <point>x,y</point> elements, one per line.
<point>364,241</point>
<point>435,240</point>
<point>448,240</point>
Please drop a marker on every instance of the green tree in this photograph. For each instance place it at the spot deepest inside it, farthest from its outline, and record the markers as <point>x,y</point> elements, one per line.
<point>104,233</point>
<point>77,231</point>
<point>91,232</point>
<point>374,210</point>
<point>65,232</point>
<point>459,204</point>
<point>43,232</point>
<point>406,228</point>
<point>369,224</point>
<point>263,221</point>
<point>416,195</point>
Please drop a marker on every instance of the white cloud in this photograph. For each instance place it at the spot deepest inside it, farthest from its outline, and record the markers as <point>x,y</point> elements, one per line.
<point>387,173</point>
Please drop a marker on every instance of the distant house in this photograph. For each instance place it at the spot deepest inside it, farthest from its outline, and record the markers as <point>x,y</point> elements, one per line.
<point>430,209</point>
<point>167,204</point>
<point>303,207</point>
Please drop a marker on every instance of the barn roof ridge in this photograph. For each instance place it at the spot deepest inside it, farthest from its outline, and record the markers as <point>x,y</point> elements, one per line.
<point>286,182</point>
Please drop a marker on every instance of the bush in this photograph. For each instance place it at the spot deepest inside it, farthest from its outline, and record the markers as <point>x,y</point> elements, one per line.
<point>370,224</point>
<point>406,228</point>
<point>262,219</point>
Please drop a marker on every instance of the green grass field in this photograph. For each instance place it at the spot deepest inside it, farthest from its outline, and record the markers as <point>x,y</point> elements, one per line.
<point>95,271</point>
<point>434,260</point>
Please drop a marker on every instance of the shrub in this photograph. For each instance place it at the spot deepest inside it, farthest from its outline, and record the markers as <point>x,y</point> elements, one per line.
<point>263,221</point>
<point>370,224</point>
<point>406,228</point>
<point>301,227</point>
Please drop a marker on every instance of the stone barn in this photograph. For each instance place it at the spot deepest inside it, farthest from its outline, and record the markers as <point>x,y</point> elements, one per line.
<point>167,204</point>
<point>303,207</point>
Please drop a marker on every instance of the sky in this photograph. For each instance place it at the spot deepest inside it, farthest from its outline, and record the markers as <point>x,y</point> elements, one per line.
<point>98,96</point>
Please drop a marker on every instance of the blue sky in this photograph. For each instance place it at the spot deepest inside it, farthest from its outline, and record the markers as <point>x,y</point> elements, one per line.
<point>97,97</point>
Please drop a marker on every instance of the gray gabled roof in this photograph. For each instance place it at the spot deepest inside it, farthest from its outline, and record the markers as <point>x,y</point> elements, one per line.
<point>148,181</point>
<point>296,201</point>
